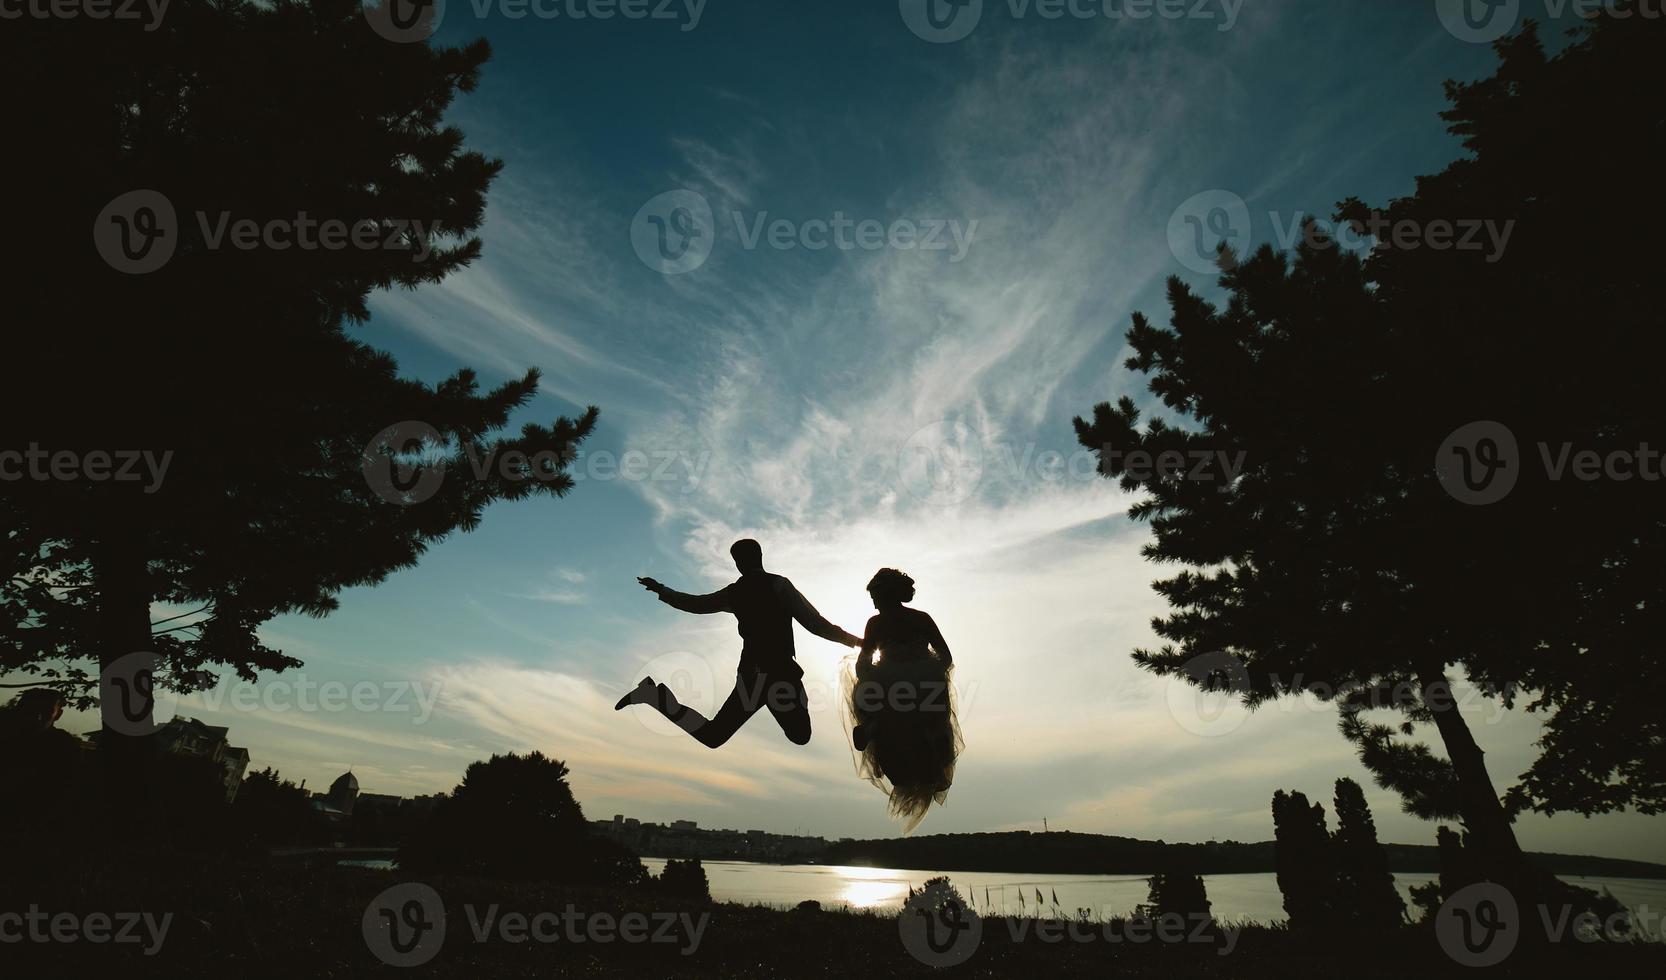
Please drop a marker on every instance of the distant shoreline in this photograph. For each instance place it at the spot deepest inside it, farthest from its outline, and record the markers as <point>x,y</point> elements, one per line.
<point>1065,852</point>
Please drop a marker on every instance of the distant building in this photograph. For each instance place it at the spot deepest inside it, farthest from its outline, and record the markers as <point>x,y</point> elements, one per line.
<point>188,736</point>
<point>379,800</point>
<point>236,762</point>
<point>344,800</point>
<point>685,839</point>
<point>423,804</point>
<point>339,801</point>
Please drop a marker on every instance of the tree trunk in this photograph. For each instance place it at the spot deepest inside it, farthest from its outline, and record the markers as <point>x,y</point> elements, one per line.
<point>123,628</point>
<point>1498,855</point>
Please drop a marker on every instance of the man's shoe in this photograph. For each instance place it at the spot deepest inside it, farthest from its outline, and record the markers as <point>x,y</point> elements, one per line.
<point>643,693</point>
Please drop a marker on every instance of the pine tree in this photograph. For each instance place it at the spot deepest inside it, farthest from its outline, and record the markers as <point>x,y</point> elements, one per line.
<point>685,879</point>
<point>1302,860</point>
<point>1337,563</point>
<point>1365,887</point>
<point>239,362</point>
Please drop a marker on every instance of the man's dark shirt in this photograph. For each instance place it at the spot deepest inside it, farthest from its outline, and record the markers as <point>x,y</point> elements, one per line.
<point>765,606</point>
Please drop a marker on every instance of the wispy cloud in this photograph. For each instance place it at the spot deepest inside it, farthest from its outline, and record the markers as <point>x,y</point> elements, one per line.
<point>729,175</point>
<point>817,398</point>
<point>557,596</point>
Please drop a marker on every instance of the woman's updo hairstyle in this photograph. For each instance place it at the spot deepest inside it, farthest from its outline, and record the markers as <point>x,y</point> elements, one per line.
<point>889,585</point>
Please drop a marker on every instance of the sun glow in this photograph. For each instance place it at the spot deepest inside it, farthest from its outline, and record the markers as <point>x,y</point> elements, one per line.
<point>870,887</point>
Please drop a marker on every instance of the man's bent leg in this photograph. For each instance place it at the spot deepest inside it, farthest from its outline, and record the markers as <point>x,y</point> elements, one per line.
<point>790,705</point>
<point>741,704</point>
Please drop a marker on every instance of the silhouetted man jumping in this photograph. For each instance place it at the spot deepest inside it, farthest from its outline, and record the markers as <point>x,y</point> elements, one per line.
<point>768,677</point>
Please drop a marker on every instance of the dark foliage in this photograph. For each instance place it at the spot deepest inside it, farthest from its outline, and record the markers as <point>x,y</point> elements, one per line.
<point>1364,886</point>
<point>1363,882</point>
<point>515,817</point>
<point>271,811</point>
<point>1176,893</point>
<point>1333,881</point>
<point>237,361</point>
<point>1337,563</point>
<point>685,880</point>
<point>1302,853</point>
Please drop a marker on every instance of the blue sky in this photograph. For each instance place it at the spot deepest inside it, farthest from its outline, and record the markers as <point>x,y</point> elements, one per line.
<point>799,395</point>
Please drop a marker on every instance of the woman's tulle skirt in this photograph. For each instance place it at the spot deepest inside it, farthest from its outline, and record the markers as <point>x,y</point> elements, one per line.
<point>905,705</point>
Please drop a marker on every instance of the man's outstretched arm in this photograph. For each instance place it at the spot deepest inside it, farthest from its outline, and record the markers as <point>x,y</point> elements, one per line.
<point>715,602</point>
<point>811,620</point>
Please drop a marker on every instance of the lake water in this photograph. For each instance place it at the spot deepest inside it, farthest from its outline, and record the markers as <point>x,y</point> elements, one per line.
<point>1233,898</point>
<point>1253,897</point>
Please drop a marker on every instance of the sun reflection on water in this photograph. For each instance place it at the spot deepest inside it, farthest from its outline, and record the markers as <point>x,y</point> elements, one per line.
<point>864,888</point>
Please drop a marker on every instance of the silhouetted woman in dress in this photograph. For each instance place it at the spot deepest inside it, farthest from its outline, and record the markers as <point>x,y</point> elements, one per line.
<point>901,703</point>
